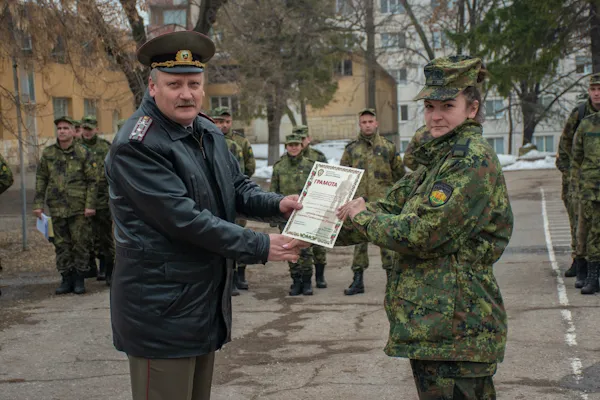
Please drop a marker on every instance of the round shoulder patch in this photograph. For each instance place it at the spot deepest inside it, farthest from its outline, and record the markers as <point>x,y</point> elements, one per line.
<point>440,194</point>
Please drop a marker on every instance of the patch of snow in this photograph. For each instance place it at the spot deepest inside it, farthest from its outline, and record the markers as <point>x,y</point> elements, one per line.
<point>537,155</point>
<point>262,169</point>
<point>507,159</point>
<point>546,163</point>
<point>261,150</point>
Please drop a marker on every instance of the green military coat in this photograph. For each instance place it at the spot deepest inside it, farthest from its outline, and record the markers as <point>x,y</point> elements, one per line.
<point>421,136</point>
<point>290,174</point>
<point>313,154</point>
<point>98,148</point>
<point>586,158</point>
<point>249,164</point>
<point>237,152</point>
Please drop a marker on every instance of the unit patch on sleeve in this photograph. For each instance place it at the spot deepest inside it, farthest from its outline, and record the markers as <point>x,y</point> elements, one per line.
<point>140,129</point>
<point>440,194</point>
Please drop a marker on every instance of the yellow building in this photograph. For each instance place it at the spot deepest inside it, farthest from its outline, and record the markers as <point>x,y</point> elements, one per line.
<point>58,90</point>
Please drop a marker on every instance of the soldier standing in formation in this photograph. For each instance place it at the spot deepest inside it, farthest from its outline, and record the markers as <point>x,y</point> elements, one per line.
<point>585,174</point>
<point>421,136</point>
<point>564,162</point>
<point>67,180</point>
<point>78,129</point>
<point>248,167</point>
<point>383,166</point>
<point>103,246</point>
<point>319,252</point>
<point>447,224</point>
<point>6,181</point>
<point>289,176</point>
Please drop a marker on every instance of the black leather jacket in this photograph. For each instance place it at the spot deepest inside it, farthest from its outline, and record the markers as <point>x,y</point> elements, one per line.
<point>174,205</point>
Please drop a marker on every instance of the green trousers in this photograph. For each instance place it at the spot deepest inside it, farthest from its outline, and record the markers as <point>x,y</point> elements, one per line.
<point>361,258</point>
<point>72,243</point>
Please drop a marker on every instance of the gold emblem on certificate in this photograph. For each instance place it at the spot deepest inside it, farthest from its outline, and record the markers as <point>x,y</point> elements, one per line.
<point>327,188</point>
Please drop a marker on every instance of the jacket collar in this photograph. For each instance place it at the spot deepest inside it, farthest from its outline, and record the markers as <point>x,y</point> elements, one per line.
<point>91,141</point>
<point>369,139</point>
<point>432,151</point>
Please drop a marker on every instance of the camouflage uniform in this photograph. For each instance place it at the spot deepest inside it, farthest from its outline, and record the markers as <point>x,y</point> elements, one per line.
<point>585,168</point>
<point>448,222</point>
<point>383,166</point>
<point>237,152</point>
<point>6,176</point>
<point>422,135</point>
<point>67,181</point>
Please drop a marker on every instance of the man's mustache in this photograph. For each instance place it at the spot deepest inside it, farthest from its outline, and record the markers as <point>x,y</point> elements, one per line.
<point>186,104</point>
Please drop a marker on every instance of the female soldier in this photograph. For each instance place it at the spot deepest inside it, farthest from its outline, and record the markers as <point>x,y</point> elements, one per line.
<point>448,223</point>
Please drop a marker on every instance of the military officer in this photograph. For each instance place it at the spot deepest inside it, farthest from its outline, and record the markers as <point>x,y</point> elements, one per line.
<point>102,225</point>
<point>564,161</point>
<point>289,176</point>
<point>383,166</point>
<point>6,181</point>
<point>319,252</point>
<point>67,181</point>
<point>248,168</point>
<point>78,129</point>
<point>422,135</point>
<point>447,224</point>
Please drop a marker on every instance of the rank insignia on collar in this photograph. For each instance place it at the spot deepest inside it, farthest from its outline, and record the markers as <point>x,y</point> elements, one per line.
<point>440,194</point>
<point>140,129</point>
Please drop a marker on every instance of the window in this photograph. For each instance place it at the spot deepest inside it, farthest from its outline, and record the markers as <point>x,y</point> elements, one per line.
<point>404,113</point>
<point>404,145</point>
<point>116,116</point>
<point>344,68</point>
<point>583,65</point>
<point>27,81</point>
<point>438,40</point>
<point>545,100</point>
<point>89,107</point>
<point>494,109</point>
<point>389,40</point>
<point>26,40</point>
<point>60,106</point>
<point>399,75</point>
<point>449,4</point>
<point>58,52</point>
<point>392,7</point>
<point>497,144</point>
<point>225,101</point>
<point>177,17</point>
<point>544,143</point>
<point>180,2</point>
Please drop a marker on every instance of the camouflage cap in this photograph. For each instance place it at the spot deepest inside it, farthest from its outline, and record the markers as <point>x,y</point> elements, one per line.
<point>301,130</point>
<point>446,77</point>
<point>215,113</point>
<point>367,111</point>
<point>221,111</point>
<point>89,122</point>
<point>66,119</point>
<point>293,138</point>
<point>76,123</point>
<point>595,79</point>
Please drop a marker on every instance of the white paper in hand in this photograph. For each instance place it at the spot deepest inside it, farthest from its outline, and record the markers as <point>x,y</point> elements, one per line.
<point>42,225</point>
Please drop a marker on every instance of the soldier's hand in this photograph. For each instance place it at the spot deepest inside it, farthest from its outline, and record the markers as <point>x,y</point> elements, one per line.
<point>283,248</point>
<point>351,208</point>
<point>38,213</point>
<point>89,212</point>
<point>288,204</point>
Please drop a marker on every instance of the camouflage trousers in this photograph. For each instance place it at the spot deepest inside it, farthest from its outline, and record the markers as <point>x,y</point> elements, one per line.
<point>319,255</point>
<point>571,204</point>
<point>361,258</point>
<point>242,223</point>
<point>454,380</point>
<point>72,243</point>
<point>588,230</point>
<point>104,243</point>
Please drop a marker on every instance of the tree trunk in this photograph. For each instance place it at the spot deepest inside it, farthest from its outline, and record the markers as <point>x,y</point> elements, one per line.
<point>275,110</point>
<point>290,115</point>
<point>419,28</point>
<point>303,112</point>
<point>595,34</point>
<point>529,100</point>
<point>473,22</point>
<point>371,56</point>
<point>510,124</point>
<point>207,15</point>
<point>461,24</point>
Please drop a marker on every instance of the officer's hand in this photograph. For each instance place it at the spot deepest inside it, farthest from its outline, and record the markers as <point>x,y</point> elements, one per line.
<point>89,212</point>
<point>289,204</point>
<point>351,208</point>
<point>283,248</point>
<point>38,213</point>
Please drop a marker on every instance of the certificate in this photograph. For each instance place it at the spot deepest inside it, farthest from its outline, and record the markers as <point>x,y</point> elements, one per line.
<point>327,188</point>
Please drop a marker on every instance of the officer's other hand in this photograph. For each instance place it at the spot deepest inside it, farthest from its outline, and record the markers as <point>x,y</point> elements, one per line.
<point>289,204</point>
<point>89,212</point>
<point>351,208</point>
<point>38,213</point>
<point>283,248</point>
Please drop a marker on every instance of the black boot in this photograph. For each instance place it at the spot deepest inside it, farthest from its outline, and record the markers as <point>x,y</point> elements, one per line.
<point>101,269</point>
<point>581,267</point>
<point>320,276</point>
<point>93,271</point>
<point>242,284</point>
<point>591,282</point>
<point>79,283</point>
<point>296,288</point>
<point>110,265</point>
<point>357,285</point>
<point>572,271</point>
<point>307,285</point>
<point>66,286</point>
<point>234,289</point>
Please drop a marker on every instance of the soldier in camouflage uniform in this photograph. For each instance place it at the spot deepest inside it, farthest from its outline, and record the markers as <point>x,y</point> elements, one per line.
<point>102,224</point>
<point>289,176</point>
<point>6,181</point>
<point>585,168</point>
<point>448,222</point>
<point>248,167</point>
<point>383,166</point>
<point>564,164</point>
<point>67,180</point>
<point>78,129</point>
<point>422,135</point>
<point>319,252</point>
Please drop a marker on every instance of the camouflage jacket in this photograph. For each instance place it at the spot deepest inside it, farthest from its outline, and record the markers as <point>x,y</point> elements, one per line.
<point>585,168</point>
<point>378,157</point>
<point>448,223</point>
<point>290,174</point>
<point>313,154</point>
<point>564,155</point>
<point>237,152</point>
<point>67,180</point>
<point>6,176</point>
<point>98,148</point>
<point>421,136</point>
<point>249,166</point>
